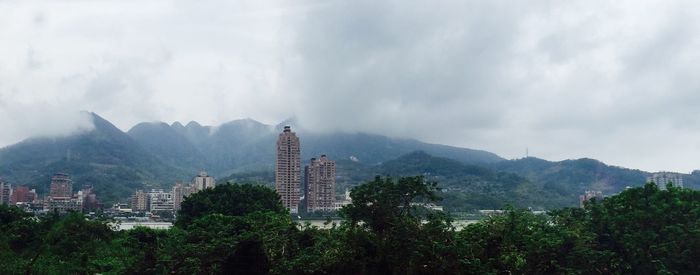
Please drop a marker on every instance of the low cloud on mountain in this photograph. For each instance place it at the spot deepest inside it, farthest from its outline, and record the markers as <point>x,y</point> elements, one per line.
<point>612,81</point>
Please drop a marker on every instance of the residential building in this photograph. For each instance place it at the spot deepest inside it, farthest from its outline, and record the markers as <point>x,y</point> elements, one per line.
<point>288,169</point>
<point>319,184</point>
<point>203,181</point>
<point>180,192</point>
<point>5,193</point>
<point>63,204</point>
<point>139,201</point>
<point>23,194</point>
<point>89,198</point>
<point>61,186</point>
<point>588,195</point>
<point>158,200</point>
<point>663,178</point>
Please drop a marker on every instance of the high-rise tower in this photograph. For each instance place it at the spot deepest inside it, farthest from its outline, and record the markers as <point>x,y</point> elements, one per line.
<point>288,169</point>
<point>61,186</point>
<point>319,183</point>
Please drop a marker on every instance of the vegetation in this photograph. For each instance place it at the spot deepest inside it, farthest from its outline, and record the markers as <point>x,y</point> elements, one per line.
<point>243,229</point>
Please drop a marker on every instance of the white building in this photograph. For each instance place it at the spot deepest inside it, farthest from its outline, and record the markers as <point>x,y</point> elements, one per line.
<point>203,181</point>
<point>663,178</point>
<point>160,201</point>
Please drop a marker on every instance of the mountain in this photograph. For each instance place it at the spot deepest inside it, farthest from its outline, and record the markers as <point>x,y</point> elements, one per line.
<point>247,145</point>
<point>574,176</point>
<point>174,149</point>
<point>155,154</point>
<point>465,187</point>
<point>104,157</point>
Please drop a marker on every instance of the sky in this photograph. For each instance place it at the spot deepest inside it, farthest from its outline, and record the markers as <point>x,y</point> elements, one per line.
<point>611,80</point>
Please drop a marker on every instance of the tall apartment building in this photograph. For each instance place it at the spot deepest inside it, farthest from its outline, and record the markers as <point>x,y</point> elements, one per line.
<point>203,181</point>
<point>180,192</point>
<point>288,169</point>
<point>61,186</point>
<point>5,192</point>
<point>139,201</point>
<point>663,178</point>
<point>319,184</point>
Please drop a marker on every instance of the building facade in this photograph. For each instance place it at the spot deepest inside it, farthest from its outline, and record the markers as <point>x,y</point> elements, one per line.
<point>180,192</point>
<point>23,194</point>
<point>288,169</point>
<point>63,204</point>
<point>139,201</point>
<point>203,181</point>
<point>588,195</point>
<point>663,178</point>
<point>319,184</point>
<point>158,200</point>
<point>5,193</point>
<point>61,186</point>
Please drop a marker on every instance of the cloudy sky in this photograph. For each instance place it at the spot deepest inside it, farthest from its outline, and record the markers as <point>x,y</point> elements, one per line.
<point>614,80</point>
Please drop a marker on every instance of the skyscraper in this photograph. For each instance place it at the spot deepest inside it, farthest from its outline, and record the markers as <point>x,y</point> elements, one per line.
<point>319,183</point>
<point>288,169</point>
<point>61,186</point>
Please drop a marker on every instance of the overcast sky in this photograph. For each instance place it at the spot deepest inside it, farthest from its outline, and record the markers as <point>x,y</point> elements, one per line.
<point>618,81</point>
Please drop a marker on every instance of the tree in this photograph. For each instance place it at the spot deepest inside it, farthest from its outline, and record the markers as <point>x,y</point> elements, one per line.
<point>393,234</point>
<point>230,200</point>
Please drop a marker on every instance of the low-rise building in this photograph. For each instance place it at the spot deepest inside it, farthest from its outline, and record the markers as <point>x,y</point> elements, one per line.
<point>588,195</point>
<point>160,200</point>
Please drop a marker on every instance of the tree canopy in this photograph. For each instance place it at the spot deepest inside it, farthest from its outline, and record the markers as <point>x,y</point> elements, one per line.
<point>242,229</point>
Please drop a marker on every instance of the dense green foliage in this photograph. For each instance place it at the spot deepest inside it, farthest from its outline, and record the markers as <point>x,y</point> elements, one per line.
<point>229,200</point>
<point>240,229</point>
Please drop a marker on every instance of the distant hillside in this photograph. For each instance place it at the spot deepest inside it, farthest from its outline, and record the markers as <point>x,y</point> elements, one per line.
<point>104,157</point>
<point>574,176</point>
<point>247,145</point>
<point>465,187</point>
<point>158,154</point>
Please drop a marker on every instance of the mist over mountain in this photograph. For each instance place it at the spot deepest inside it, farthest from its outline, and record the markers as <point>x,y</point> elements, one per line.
<point>244,145</point>
<point>156,155</point>
<point>104,157</point>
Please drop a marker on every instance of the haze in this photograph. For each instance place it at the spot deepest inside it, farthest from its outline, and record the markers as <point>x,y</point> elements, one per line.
<point>616,81</point>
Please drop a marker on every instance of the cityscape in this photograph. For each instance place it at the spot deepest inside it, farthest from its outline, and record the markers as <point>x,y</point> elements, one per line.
<point>349,137</point>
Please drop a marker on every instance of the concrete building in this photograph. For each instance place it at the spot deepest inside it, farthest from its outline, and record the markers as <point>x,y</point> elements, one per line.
<point>89,198</point>
<point>663,178</point>
<point>5,193</point>
<point>64,204</point>
<point>180,192</point>
<point>588,195</point>
<point>158,200</point>
<point>61,186</point>
<point>139,201</point>
<point>319,185</point>
<point>288,169</point>
<point>203,181</point>
<point>23,194</point>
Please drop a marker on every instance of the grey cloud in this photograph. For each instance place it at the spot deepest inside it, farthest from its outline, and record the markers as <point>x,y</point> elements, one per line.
<point>610,80</point>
